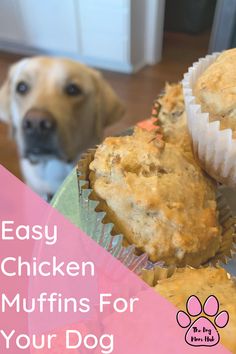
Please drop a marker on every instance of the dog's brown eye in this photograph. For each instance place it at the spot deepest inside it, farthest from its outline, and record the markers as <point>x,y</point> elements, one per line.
<point>73,90</point>
<point>22,87</point>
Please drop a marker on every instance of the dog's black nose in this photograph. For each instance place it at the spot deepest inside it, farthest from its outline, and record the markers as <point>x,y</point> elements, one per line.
<point>38,123</point>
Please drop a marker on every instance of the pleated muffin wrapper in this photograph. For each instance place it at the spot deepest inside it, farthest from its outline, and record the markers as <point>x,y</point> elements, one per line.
<point>91,221</point>
<point>95,222</point>
<point>214,148</point>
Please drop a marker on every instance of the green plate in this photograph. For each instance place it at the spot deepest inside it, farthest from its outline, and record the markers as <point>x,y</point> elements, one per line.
<point>66,200</point>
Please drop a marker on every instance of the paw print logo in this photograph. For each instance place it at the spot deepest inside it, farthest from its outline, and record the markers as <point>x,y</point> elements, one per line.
<point>202,332</point>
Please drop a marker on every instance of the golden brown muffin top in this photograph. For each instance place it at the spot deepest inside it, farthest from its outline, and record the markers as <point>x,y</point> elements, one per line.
<point>215,90</point>
<point>160,197</point>
<point>172,117</point>
<point>172,101</point>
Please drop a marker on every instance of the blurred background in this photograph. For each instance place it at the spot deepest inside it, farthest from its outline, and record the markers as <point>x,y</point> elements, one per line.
<point>137,44</point>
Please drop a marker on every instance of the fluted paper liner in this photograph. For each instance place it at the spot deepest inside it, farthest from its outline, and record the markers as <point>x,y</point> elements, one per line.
<point>214,148</point>
<point>95,222</point>
<point>92,223</point>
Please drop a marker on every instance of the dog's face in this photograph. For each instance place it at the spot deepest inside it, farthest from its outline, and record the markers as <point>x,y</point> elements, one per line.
<point>56,107</point>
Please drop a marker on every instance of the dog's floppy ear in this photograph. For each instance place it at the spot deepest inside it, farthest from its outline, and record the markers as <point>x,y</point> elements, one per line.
<point>5,100</point>
<point>5,91</point>
<point>109,105</point>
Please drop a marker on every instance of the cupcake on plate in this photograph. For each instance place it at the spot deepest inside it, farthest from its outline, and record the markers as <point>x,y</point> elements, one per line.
<point>158,198</point>
<point>203,283</point>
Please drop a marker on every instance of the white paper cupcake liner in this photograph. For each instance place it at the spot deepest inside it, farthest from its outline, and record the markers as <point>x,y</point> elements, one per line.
<point>214,148</point>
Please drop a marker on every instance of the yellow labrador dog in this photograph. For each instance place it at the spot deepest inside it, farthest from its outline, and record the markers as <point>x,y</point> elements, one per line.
<point>56,108</point>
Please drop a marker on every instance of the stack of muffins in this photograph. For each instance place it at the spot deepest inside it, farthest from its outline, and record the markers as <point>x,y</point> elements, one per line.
<point>159,198</point>
<point>155,193</point>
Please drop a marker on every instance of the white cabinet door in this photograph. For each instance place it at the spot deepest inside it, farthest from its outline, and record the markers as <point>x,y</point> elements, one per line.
<point>50,24</point>
<point>104,28</point>
<point>120,35</point>
<point>11,27</point>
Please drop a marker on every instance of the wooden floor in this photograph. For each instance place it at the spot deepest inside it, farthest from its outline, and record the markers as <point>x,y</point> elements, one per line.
<point>137,91</point>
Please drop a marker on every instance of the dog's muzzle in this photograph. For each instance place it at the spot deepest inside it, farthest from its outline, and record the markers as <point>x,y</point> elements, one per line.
<point>39,132</point>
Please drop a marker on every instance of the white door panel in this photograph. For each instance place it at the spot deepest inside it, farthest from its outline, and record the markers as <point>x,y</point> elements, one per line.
<point>11,26</point>
<point>50,24</point>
